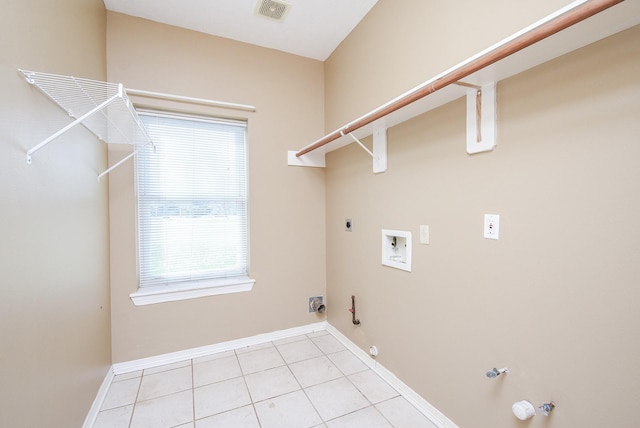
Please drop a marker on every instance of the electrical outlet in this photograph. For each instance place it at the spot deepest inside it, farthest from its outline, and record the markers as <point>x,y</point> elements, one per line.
<point>316,304</point>
<point>491,226</point>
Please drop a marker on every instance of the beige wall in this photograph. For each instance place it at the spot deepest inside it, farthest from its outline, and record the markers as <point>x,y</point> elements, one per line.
<point>559,307</point>
<point>287,205</point>
<point>556,298</point>
<point>54,249</point>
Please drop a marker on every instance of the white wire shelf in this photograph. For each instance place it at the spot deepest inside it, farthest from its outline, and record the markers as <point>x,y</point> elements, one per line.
<point>101,107</point>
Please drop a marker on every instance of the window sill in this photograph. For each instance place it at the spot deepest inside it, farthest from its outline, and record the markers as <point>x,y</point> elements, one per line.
<point>171,293</point>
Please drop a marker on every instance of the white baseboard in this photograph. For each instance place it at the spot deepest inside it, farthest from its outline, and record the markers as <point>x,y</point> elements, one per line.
<point>428,410</point>
<point>174,357</point>
<point>433,414</point>
<point>97,403</point>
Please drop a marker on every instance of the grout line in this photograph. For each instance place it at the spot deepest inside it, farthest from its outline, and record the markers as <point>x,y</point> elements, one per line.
<point>135,401</point>
<point>304,391</point>
<point>193,393</point>
<point>366,398</point>
<point>244,379</point>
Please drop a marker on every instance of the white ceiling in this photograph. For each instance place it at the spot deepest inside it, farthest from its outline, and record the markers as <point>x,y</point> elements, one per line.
<point>311,28</point>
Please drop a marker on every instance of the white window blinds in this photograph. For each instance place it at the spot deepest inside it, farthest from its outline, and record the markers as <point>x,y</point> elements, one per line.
<point>192,200</point>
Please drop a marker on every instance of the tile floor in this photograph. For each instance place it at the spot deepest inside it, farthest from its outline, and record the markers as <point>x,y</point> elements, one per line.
<point>305,381</point>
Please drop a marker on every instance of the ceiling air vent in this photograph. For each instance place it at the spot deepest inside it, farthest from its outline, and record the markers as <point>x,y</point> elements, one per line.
<point>276,10</point>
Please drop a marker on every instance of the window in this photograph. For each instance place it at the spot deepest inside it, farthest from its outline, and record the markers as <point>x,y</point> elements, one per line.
<point>192,208</point>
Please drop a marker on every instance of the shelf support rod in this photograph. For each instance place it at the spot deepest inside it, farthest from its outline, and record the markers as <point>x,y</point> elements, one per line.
<point>360,144</point>
<point>379,153</point>
<point>72,124</point>
<point>478,115</point>
<point>478,107</point>
<point>481,119</point>
<point>468,85</point>
<point>117,164</point>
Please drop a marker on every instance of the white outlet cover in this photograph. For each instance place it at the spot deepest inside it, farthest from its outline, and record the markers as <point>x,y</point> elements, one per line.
<point>492,226</point>
<point>424,234</point>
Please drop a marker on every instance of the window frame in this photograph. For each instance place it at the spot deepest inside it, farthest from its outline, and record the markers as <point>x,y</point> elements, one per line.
<point>189,289</point>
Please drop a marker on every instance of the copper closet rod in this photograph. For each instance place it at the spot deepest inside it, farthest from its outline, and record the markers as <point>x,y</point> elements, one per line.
<point>545,30</point>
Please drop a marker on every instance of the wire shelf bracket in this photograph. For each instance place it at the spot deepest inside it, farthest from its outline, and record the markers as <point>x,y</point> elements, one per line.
<point>101,107</point>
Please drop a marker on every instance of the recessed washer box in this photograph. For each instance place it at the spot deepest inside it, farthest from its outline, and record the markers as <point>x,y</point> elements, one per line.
<point>396,249</point>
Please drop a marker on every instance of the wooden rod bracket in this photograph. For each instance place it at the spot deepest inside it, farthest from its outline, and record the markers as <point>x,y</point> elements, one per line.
<point>313,159</point>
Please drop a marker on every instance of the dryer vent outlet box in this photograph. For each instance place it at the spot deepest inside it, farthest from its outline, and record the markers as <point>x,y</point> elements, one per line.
<point>396,249</point>
<point>316,304</point>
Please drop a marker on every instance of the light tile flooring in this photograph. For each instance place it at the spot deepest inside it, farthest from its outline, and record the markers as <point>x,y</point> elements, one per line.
<point>305,381</point>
